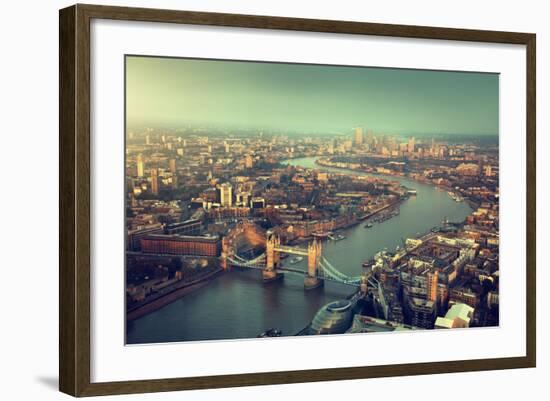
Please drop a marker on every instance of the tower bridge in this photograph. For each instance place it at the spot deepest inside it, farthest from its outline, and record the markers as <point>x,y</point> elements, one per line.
<point>319,269</point>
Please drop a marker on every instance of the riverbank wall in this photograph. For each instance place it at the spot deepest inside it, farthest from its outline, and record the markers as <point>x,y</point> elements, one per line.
<point>175,294</point>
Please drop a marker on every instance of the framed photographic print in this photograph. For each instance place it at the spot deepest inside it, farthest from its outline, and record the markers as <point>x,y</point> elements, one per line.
<point>250,200</point>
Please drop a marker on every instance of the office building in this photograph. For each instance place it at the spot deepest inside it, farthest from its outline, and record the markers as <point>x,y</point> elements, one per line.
<point>257,203</point>
<point>358,135</point>
<point>181,245</point>
<point>410,145</point>
<point>431,286</point>
<point>140,165</point>
<point>226,194</point>
<point>249,161</point>
<point>155,181</point>
<point>458,316</point>
<point>242,198</point>
<point>173,167</point>
<point>421,312</point>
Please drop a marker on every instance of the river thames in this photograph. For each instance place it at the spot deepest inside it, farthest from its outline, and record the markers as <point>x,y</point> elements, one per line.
<point>238,305</point>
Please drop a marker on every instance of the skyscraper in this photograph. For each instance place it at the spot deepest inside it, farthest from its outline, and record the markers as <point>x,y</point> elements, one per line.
<point>370,138</point>
<point>358,135</point>
<point>410,146</point>
<point>249,161</point>
<point>155,181</point>
<point>226,194</point>
<point>431,284</point>
<point>173,167</point>
<point>140,165</point>
<point>174,181</point>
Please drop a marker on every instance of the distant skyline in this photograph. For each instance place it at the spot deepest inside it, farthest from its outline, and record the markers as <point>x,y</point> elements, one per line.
<point>310,98</point>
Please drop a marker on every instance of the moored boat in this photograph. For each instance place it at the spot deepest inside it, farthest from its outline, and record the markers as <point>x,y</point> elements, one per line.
<point>272,332</point>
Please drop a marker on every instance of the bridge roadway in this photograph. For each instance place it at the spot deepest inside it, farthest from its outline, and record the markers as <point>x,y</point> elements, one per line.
<point>302,273</point>
<point>291,250</point>
<point>327,272</point>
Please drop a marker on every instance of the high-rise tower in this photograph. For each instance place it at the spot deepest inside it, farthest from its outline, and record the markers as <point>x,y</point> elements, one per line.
<point>226,194</point>
<point>410,145</point>
<point>173,167</point>
<point>155,181</point>
<point>358,135</point>
<point>431,284</point>
<point>140,165</point>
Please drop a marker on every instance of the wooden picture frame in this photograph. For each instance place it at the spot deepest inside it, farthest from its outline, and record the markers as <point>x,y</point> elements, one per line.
<point>75,207</point>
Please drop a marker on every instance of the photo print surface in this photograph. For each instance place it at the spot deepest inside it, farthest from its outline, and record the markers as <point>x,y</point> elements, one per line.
<point>276,199</point>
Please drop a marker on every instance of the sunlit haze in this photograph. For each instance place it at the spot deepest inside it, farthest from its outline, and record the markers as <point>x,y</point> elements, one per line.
<point>173,92</point>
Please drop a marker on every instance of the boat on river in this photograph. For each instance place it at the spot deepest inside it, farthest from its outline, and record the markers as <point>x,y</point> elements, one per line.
<point>388,216</point>
<point>321,235</point>
<point>272,332</point>
<point>454,196</point>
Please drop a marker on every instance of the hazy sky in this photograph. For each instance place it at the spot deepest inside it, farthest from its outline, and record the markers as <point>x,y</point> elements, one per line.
<point>312,98</point>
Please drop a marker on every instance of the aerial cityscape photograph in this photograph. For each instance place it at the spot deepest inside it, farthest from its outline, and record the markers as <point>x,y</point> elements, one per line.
<point>267,199</point>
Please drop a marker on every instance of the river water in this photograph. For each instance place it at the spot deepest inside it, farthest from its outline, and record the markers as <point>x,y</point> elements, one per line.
<point>237,304</point>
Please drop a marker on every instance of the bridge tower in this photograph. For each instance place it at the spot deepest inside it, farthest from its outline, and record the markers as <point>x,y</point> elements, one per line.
<point>272,257</point>
<point>364,284</point>
<point>226,252</point>
<point>312,279</point>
